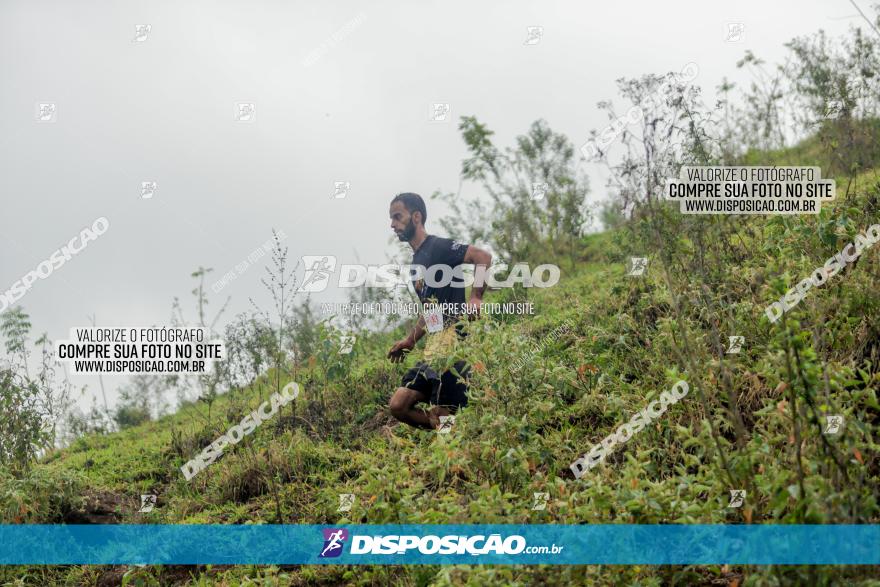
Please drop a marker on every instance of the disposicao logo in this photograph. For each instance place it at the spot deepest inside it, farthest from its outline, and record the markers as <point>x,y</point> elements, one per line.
<point>409,544</point>
<point>400,544</point>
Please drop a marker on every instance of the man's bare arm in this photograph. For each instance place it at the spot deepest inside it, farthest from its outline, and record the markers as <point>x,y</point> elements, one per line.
<point>418,330</point>
<point>401,347</point>
<point>481,260</point>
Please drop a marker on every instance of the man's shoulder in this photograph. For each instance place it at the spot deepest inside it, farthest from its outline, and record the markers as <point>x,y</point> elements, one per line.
<point>446,243</point>
<point>438,249</point>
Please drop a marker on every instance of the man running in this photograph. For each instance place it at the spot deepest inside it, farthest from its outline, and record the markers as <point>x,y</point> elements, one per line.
<point>446,392</point>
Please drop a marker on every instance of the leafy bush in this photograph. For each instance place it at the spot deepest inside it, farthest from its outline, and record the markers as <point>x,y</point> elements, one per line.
<point>22,433</point>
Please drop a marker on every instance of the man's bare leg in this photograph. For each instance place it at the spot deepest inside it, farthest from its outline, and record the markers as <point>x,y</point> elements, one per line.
<point>402,406</point>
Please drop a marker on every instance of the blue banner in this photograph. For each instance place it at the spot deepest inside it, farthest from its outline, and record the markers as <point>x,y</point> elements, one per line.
<point>615,544</point>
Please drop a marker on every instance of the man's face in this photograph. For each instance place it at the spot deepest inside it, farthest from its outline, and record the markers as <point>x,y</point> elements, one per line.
<point>402,222</point>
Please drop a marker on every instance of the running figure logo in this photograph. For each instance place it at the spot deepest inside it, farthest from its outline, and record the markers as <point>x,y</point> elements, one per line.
<point>141,32</point>
<point>539,190</point>
<point>346,500</point>
<point>318,270</point>
<point>333,540</point>
<point>438,112</point>
<point>148,189</point>
<point>735,32</point>
<point>534,35</point>
<point>637,266</point>
<point>245,112</point>
<point>46,112</point>
<point>541,499</point>
<point>735,344</point>
<point>148,502</point>
<point>340,189</point>
<point>737,498</point>
<point>346,343</point>
<point>833,424</point>
<point>446,423</point>
<point>833,109</point>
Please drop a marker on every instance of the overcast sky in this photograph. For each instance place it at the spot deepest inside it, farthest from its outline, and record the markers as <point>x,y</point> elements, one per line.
<point>343,92</point>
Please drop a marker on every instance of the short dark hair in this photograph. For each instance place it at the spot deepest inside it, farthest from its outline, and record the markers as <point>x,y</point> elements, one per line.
<point>413,203</point>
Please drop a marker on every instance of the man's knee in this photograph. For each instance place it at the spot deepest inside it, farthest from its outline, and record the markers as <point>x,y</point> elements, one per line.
<point>401,402</point>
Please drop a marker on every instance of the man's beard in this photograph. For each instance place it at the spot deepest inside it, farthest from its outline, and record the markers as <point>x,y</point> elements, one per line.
<point>407,233</point>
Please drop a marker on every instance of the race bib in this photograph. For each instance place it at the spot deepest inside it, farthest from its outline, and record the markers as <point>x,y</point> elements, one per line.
<point>434,320</point>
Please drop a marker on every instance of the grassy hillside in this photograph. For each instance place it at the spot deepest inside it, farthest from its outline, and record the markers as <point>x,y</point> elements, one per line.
<point>631,339</point>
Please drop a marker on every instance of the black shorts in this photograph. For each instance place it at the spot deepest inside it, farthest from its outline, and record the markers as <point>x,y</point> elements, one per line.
<point>448,390</point>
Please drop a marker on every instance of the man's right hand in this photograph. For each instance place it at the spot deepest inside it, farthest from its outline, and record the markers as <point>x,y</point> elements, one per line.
<point>400,348</point>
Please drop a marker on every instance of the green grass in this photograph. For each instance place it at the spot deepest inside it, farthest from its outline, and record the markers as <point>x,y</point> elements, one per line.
<point>522,430</point>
